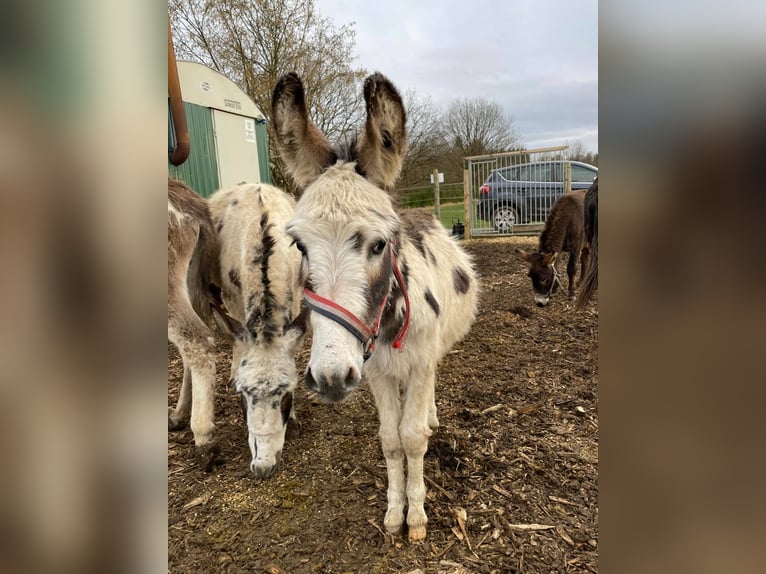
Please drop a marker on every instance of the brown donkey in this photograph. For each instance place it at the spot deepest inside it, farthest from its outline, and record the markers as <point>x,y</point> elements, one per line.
<point>589,283</point>
<point>192,267</point>
<point>563,231</point>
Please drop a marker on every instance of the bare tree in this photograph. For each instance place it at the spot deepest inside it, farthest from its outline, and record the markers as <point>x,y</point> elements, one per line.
<point>254,42</point>
<point>425,133</point>
<point>476,127</point>
<point>577,152</point>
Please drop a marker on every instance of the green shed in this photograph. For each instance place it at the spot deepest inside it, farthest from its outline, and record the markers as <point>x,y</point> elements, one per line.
<point>229,141</point>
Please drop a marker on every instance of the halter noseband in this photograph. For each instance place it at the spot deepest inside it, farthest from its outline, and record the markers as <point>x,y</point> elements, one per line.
<point>555,279</point>
<point>353,324</point>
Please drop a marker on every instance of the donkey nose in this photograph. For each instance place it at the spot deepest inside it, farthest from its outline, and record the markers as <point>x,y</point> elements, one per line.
<point>261,470</point>
<point>331,385</point>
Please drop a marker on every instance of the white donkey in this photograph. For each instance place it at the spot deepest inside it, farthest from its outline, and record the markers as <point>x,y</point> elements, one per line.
<point>256,277</point>
<point>390,292</point>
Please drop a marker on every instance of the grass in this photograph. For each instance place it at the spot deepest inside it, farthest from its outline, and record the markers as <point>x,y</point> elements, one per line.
<point>450,212</point>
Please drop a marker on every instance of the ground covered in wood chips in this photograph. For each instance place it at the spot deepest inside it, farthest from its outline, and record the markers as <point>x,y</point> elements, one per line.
<point>511,473</point>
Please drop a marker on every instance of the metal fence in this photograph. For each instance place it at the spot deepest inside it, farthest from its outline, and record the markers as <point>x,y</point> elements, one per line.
<point>511,193</point>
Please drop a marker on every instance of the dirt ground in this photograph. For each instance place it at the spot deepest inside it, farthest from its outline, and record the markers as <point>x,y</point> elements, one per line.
<point>511,473</point>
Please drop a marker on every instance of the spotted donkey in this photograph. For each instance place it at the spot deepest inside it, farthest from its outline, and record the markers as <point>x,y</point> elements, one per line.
<point>390,292</point>
<point>254,272</point>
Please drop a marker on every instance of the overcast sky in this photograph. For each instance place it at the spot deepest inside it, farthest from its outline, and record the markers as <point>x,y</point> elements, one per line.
<point>537,58</point>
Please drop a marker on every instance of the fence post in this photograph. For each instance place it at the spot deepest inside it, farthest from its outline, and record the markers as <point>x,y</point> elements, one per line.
<point>567,176</point>
<point>437,203</point>
<point>467,204</point>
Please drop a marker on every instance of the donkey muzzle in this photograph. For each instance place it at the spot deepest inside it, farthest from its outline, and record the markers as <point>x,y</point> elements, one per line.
<point>262,469</point>
<point>333,386</point>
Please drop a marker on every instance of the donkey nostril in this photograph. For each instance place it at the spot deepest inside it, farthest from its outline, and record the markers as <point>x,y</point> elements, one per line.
<point>352,378</point>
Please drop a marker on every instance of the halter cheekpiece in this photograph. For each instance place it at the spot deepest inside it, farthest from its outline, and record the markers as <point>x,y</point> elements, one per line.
<point>353,324</point>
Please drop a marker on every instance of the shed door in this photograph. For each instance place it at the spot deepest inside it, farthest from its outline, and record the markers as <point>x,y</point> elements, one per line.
<point>237,148</point>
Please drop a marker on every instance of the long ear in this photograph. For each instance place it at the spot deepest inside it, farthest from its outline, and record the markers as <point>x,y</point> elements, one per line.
<point>228,325</point>
<point>522,254</point>
<point>306,152</point>
<point>383,143</point>
<point>295,331</point>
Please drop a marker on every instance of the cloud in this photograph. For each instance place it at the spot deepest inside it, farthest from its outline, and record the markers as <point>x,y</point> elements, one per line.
<point>537,58</point>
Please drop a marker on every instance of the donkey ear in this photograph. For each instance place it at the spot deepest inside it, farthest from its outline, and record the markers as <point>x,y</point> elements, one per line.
<point>383,142</point>
<point>228,325</point>
<point>549,258</point>
<point>522,254</point>
<point>306,152</point>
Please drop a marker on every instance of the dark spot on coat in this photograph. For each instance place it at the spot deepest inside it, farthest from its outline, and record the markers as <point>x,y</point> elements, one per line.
<point>431,300</point>
<point>234,278</point>
<point>356,241</point>
<point>235,202</point>
<point>379,288</point>
<point>219,227</point>
<point>278,391</point>
<point>243,363</point>
<point>270,328</point>
<point>461,280</point>
<point>416,237</point>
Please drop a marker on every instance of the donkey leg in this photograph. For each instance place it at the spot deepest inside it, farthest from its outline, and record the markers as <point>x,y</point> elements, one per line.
<point>571,271</point>
<point>386,393</point>
<point>584,257</point>
<point>180,416</point>
<point>414,431</point>
<point>196,346</point>
<point>433,419</point>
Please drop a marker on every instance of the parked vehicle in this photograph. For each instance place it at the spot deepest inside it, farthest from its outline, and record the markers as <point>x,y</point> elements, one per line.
<point>526,192</point>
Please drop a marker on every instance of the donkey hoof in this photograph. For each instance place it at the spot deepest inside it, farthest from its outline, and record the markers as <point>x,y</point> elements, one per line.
<point>208,456</point>
<point>293,429</point>
<point>176,425</point>
<point>417,534</point>
<point>394,523</point>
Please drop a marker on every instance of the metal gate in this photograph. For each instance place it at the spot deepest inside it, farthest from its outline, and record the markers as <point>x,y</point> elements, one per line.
<point>511,193</point>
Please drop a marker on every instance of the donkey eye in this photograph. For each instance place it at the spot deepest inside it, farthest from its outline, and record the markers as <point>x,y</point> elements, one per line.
<point>300,246</point>
<point>378,248</point>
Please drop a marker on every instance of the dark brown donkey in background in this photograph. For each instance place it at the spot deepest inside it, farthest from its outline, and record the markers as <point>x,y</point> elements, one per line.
<point>563,231</point>
<point>589,282</point>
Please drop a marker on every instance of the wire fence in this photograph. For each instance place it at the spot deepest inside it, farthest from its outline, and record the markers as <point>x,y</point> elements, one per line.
<point>450,209</point>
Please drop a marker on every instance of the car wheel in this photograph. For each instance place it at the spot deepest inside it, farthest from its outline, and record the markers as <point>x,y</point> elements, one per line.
<point>504,219</point>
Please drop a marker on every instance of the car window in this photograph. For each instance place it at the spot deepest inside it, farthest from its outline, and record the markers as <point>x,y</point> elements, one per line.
<point>542,172</point>
<point>582,174</point>
<point>508,174</point>
<point>521,173</point>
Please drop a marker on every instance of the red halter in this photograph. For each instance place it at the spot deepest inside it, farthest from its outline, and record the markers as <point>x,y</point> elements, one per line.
<point>366,335</point>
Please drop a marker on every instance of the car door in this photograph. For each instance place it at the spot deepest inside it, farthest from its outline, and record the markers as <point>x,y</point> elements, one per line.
<point>582,176</point>
<point>542,190</point>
